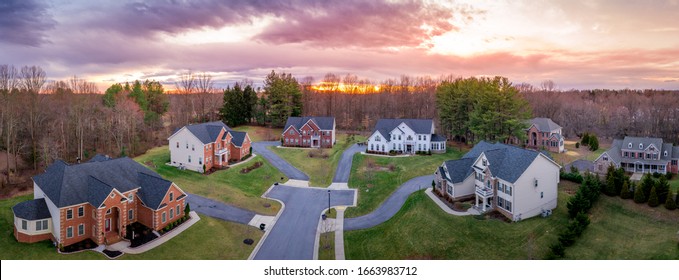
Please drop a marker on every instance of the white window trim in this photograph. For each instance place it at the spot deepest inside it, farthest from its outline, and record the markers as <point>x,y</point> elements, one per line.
<point>84,229</point>
<point>83,208</point>
<point>69,210</point>
<point>69,235</point>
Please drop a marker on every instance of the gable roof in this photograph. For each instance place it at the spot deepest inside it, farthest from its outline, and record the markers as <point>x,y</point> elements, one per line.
<point>91,182</point>
<point>153,189</point>
<point>419,126</point>
<point>675,152</point>
<point>505,161</point>
<point>32,210</point>
<point>645,141</point>
<point>544,124</point>
<point>207,132</point>
<point>459,169</point>
<point>437,138</point>
<point>324,123</point>
<point>238,137</point>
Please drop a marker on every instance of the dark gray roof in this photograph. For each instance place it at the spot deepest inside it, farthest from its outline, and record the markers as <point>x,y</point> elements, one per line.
<point>666,147</point>
<point>420,126</point>
<point>645,141</point>
<point>437,138</point>
<point>459,169</point>
<point>675,152</point>
<point>238,137</point>
<point>558,136</point>
<point>614,153</point>
<point>99,157</point>
<point>324,123</point>
<point>32,210</point>
<point>505,161</point>
<point>544,124</point>
<point>67,185</point>
<point>153,190</point>
<point>207,132</point>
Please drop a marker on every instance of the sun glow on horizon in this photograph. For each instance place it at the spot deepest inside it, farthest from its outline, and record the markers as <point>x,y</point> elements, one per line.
<point>345,88</point>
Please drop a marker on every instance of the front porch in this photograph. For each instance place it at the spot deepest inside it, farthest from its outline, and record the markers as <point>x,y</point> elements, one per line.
<point>638,167</point>
<point>483,200</point>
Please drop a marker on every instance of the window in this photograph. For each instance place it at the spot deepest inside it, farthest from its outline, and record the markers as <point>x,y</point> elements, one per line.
<point>510,190</point>
<point>171,196</point>
<point>171,213</point>
<point>648,156</point>
<point>641,146</point>
<point>163,217</point>
<point>41,225</point>
<point>372,147</point>
<point>24,224</point>
<point>536,182</point>
<point>383,148</point>
<point>189,158</point>
<point>130,215</point>
<point>394,146</point>
<point>177,144</point>
<point>69,214</point>
<point>641,155</point>
<point>178,210</point>
<point>633,155</point>
<point>419,147</point>
<point>605,158</point>
<point>130,197</point>
<point>108,211</point>
<point>542,194</point>
<point>81,211</point>
<point>399,137</point>
<point>450,190</point>
<point>424,137</point>
<point>187,144</point>
<point>200,160</point>
<point>419,137</point>
<point>626,154</point>
<point>399,146</point>
<point>500,201</point>
<point>193,147</point>
<point>664,154</point>
<point>629,146</point>
<point>674,162</point>
<point>81,229</point>
<point>410,138</point>
<point>292,132</point>
<point>69,232</point>
<point>508,206</point>
<point>377,138</point>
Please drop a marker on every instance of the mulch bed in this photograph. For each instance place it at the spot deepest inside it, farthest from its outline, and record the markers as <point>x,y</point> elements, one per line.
<point>179,222</point>
<point>142,234</point>
<point>251,167</point>
<point>112,254</point>
<point>455,205</point>
<point>497,216</point>
<point>80,246</point>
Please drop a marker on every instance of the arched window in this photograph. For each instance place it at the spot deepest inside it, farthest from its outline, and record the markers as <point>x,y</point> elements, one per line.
<point>377,138</point>
<point>372,148</point>
<point>641,146</point>
<point>410,138</point>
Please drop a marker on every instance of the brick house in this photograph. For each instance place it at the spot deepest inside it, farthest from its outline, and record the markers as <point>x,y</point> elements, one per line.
<point>543,133</point>
<point>518,183</point>
<point>200,147</point>
<point>640,155</point>
<point>311,132</point>
<point>96,200</point>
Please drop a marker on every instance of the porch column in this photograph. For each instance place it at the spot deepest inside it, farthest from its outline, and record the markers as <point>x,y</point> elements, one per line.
<point>476,200</point>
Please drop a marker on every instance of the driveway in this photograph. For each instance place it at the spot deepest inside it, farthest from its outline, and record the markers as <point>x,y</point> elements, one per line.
<point>344,166</point>
<point>391,206</point>
<point>293,236</point>
<point>290,171</point>
<point>219,210</point>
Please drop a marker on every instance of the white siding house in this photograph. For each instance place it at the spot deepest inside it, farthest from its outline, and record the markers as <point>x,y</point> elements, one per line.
<point>405,136</point>
<point>186,150</point>
<point>516,182</point>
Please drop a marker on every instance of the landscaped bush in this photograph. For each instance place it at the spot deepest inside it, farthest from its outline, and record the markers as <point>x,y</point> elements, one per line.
<point>662,188</point>
<point>593,143</point>
<point>577,145</point>
<point>639,196</point>
<point>573,177</point>
<point>251,167</point>
<point>187,209</point>
<point>670,203</point>
<point>625,192</point>
<point>669,175</point>
<point>653,198</point>
<point>585,139</point>
<point>574,169</point>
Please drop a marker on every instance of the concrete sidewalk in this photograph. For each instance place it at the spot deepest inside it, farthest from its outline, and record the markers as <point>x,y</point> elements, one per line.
<point>160,240</point>
<point>445,208</point>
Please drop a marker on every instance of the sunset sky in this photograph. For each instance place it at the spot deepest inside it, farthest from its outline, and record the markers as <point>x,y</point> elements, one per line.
<point>577,44</point>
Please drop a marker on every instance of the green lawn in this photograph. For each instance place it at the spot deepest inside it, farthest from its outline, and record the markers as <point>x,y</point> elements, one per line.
<point>421,230</point>
<point>208,239</point>
<point>674,184</point>
<point>621,229</point>
<point>260,133</point>
<point>326,246</point>
<point>320,170</point>
<point>377,183</point>
<point>230,186</point>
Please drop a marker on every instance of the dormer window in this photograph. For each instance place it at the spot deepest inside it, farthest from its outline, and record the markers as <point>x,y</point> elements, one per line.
<point>641,146</point>
<point>485,163</point>
<point>664,153</point>
<point>629,146</point>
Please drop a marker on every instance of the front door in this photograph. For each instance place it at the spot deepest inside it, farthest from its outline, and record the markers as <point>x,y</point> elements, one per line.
<point>107,225</point>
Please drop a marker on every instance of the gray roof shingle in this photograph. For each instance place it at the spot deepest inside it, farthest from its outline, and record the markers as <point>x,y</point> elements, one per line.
<point>544,124</point>
<point>238,137</point>
<point>324,123</point>
<point>505,161</point>
<point>420,126</point>
<point>207,132</point>
<point>644,141</point>
<point>153,189</point>
<point>67,185</point>
<point>675,152</point>
<point>32,210</point>
<point>437,138</point>
<point>614,153</point>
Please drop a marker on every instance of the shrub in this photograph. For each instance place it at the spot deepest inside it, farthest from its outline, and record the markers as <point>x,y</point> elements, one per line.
<point>670,204</point>
<point>669,175</point>
<point>639,196</point>
<point>662,188</point>
<point>577,145</point>
<point>574,169</point>
<point>625,192</point>
<point>433,184</point>
<point>187,209</point>
<point>653,198</point>
<point>585,139</point>
<point>646,184</point>
<point>593,143</point>
<point>656,175</point>
<point>557,250</point>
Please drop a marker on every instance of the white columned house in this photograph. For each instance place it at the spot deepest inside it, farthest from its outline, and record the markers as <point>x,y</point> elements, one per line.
<point>405,136</point>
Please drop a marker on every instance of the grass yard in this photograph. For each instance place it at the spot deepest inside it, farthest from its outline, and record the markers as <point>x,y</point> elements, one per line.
<point>230,186</point>
<point>320,170</point>
<point>326,246</point>
<point>583,152</point>
<point>208,239</point>
<point>621,229</point>
<point>376,183</point>
<point>260,133</point>
<point>674,184</point>
<point>421,230</point>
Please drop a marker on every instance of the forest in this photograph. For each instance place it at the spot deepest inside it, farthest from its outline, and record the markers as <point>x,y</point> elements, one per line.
<point>43,120</point>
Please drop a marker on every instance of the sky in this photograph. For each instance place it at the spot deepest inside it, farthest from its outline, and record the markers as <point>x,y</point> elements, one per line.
<point>577,44</point>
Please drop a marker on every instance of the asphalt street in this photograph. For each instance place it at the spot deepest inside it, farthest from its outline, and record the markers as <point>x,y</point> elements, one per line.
<point>260,148</point>
<point>344,166</point>
<point>215,209</point>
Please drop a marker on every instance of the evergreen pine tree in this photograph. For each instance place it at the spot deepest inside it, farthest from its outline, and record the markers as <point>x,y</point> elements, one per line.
<point>585,139</point>
<point>625,193</point>
<point>653,198</point>
<point>670,204</point>
<point>647,184</point>
<point>593,143</point>
<point>609,190</point>
<point>639,196</point>
<point>662,188</point>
